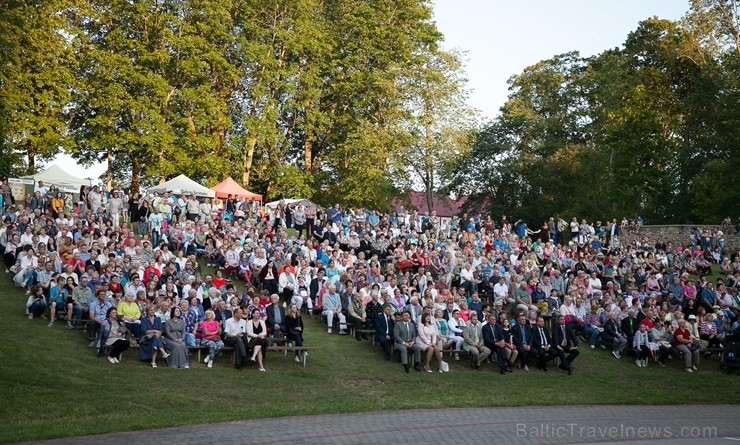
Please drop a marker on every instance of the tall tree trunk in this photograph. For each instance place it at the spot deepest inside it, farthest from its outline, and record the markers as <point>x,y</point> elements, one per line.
<point>135,172</point>
<point>109,175</point>
<point>429,189</point>
<point>161,164</point>
<point>247,161</point>
<point>307,147</point>
<point>31,160</point>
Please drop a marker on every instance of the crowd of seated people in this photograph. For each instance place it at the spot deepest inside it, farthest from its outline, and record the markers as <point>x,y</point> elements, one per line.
<point>494,290</point>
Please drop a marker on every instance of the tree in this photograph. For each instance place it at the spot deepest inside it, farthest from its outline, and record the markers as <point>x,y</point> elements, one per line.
<point>36,79</point>
<point>441,125</point>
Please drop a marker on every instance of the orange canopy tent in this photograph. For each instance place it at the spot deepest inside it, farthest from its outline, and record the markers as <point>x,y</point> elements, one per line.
<point>229,187</point>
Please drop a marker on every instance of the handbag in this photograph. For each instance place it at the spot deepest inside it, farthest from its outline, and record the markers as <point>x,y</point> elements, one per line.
<point>146,340</point>
<point>445,366</point>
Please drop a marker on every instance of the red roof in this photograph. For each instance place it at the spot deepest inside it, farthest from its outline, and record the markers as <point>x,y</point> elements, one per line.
<point>443,205</point>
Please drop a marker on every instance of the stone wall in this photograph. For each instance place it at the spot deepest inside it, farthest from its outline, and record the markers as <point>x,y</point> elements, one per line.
<point>680,234</point>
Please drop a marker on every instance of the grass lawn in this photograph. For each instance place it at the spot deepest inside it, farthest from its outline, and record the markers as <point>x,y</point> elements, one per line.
<point>54,386</point>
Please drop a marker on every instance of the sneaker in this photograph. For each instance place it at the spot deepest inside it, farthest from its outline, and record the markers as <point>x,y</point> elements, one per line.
<point>210,364</point>
<point>593,346</point>
<point>154,364</point>
<point>603,347</point>
<point>262,369</point>
<point>343,332</point>
<point>526,368</point>
<point>689,370</point>
<point>91,344</point>
<point>186,367</point>
<point>30,316</point>
<point>328,331</point>
<point>638,363</point>
<point>69,325</point>
<point>694,368</point>
<point>615,354</point>
<point>297,359</point>
<point>165,355</point>
<point>116,359</point>
<point>113,361</point>
<point>50,325</point>
<point>206,360</point>
<point>644,363</point>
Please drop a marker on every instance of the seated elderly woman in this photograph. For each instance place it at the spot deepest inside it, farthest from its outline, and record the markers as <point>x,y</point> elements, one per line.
<point>447,338</point>
<point>151,341</point>
<point>113,334</point>
<point>130,313</point>
<point>174,331</point>
<point>211,336</point>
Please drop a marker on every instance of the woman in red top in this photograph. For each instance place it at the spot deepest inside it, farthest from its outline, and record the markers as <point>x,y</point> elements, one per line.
<point>682,343</point>
<point>219,280</point>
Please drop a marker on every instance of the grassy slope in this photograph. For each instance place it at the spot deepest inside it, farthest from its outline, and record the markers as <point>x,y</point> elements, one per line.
<point>54,386</point>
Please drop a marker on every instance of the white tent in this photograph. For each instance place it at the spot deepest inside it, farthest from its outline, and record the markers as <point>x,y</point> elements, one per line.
<point>274,204</point>
<point>183,185</point>
<point>54,175</point>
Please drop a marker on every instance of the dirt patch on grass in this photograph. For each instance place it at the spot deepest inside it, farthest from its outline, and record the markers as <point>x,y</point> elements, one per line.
<point>365,382</point>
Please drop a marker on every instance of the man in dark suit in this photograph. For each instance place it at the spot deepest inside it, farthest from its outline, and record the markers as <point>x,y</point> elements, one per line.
<point>561,341</point>
<point>447,313</point>
<point>493,338</point>
<point>275,316</point>
<point>613,333</point>
<point>404,338</point>
<point>316,285</point>
<point>542,344</point>
<point>523,341</point>
<point>384,330</point>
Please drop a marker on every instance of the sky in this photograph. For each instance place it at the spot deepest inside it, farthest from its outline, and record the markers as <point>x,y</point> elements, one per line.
<point>502,37</point>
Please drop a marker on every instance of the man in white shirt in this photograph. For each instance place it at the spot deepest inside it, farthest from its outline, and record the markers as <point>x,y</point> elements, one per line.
<point>467,279</point>
<point>501,290</point>
<point>235,335</point>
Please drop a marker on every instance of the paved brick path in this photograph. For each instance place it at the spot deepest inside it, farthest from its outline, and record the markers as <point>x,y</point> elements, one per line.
<point>690,425</point>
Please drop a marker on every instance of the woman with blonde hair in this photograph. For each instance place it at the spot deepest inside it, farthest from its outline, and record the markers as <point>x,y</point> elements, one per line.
<point>211,331</point>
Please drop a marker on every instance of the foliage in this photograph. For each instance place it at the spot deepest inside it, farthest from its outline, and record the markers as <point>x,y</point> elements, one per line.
<point>35,82</point>
<point>648,129</point>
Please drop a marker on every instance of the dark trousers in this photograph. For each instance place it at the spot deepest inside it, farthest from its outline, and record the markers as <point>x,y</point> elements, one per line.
<point>240,347</point>
<point>118,347</point>
<point>386,345</point>
<point>566,361</point>
<point>499,354</point>
<point>358,323</point>
<point>643,352</point>
<point>544,356</point>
